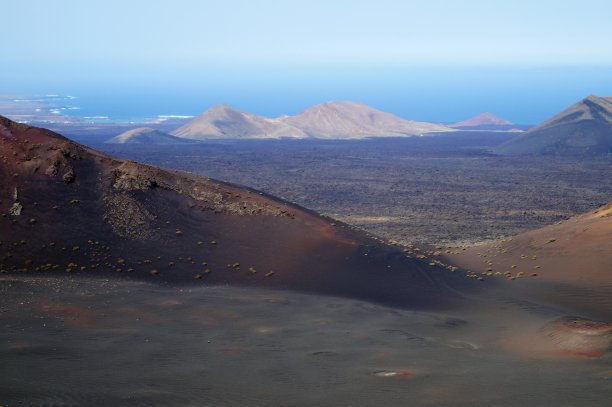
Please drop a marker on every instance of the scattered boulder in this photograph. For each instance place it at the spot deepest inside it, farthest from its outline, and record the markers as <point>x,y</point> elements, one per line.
<point>16,209</point>
<point>129,177</point>
<point>69,176</point>
<point>53,169</point>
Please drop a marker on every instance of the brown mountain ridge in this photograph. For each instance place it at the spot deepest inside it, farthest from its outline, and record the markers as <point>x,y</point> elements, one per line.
<point>331,120</point>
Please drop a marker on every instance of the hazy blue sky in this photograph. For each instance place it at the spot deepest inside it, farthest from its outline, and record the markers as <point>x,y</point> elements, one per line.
<point>431,60</point>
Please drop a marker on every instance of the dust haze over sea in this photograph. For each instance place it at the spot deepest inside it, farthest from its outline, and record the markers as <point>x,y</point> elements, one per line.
<point>524,96</point>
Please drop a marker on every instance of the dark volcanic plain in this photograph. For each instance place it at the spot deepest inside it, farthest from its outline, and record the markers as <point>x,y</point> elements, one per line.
<point>441,189</point>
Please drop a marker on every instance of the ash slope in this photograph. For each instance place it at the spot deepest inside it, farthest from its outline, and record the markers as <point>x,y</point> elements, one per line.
<point>576,250</point>
<point>572,259</point>
<point>332,120</point>
<point>583,128</point>
<point>70,210</point>
<point>145,135</point>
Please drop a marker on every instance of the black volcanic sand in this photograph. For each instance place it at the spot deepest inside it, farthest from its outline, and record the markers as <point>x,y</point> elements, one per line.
<point>189,246</point>
<point>95,342</point>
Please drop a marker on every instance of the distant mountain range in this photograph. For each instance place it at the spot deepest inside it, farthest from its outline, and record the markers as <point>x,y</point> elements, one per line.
<point>146,135</point>
<point>356,120</point>
<point>583,128</point>
<point>483,119</point>
<point>331,120</point>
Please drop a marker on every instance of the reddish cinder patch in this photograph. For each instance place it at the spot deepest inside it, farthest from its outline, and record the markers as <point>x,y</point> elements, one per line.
<point>278,300</point>
<point>208,317</point>
<point>20,346</point>
<point>579,337</point>
<point>170,303</point>
<point>581,353</point>
<point>135,314</point>
<point>585,326</point>
<point>73,314</point>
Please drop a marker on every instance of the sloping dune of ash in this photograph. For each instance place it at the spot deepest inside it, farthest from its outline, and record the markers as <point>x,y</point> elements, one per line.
<point>69,210</point>
<point>576,250</point>
<point>573,256</point>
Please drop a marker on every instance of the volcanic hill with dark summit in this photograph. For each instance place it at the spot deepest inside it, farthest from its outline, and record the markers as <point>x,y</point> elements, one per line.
<point>67,209</point>
<point>583,128</point>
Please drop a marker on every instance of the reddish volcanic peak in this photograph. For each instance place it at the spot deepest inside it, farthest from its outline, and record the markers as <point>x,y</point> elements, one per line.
<point>12,130</point>
<point>483,119</point>
<point>28,152</point>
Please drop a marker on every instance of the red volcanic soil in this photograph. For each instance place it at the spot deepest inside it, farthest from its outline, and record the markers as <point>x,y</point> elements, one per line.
<point>578,250</point>
<point>568,263</point>
<point>579,337</point>
<point>67,209</point>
